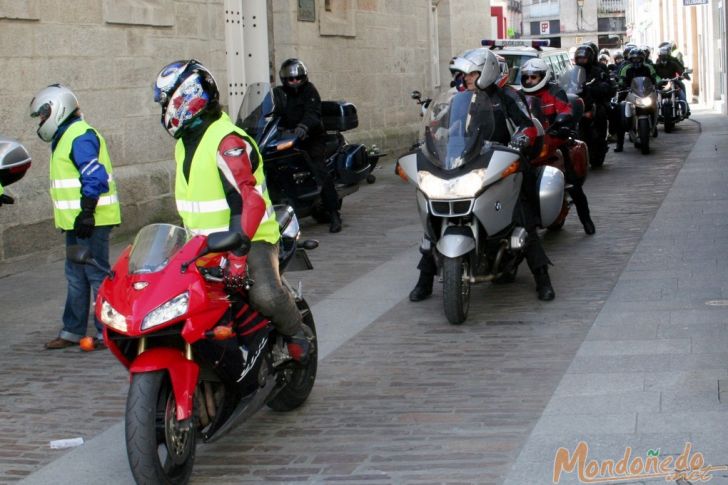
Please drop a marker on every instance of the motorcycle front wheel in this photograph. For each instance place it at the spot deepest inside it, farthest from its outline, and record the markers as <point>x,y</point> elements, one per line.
<point>643,128</point>
<point>669,125</point>
<point>456,289</point>
<point>160,448</point>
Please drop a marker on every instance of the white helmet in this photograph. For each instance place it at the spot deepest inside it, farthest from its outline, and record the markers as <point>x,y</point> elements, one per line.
<point>53,105</point>
<point>538,67</point>
<point>480,60</point>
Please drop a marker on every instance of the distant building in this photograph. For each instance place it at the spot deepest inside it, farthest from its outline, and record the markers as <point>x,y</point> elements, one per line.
<point>569,23</point>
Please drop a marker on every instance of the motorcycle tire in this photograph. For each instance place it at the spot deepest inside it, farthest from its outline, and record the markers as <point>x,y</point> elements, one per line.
<point>669,126</point>
<point>643,127</point>
<point>300,379</point>
<point>150,427</point>
<point>456,290</point>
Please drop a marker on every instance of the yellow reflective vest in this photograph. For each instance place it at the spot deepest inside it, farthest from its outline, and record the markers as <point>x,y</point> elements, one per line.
<point>66,182</point>
<point>201,200</point>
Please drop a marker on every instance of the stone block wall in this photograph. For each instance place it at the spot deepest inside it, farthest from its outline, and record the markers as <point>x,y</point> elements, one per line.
<point>109,52</point>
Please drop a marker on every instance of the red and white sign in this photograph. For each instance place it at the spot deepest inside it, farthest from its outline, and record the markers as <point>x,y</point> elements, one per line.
<point>544,27</point>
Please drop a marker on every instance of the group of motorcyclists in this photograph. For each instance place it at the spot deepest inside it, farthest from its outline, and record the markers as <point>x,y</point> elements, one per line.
<point>480,70</point>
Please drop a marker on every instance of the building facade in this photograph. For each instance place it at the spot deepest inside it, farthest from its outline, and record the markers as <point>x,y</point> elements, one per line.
<point>567,23</point>
<point>370,52</point>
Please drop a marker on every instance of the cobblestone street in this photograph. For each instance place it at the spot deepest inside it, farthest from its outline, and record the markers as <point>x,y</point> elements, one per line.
<point>410,398</point>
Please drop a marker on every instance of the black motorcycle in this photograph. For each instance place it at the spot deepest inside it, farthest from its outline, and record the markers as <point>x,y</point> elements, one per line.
<point>288,172</point>
<point>670,108</point>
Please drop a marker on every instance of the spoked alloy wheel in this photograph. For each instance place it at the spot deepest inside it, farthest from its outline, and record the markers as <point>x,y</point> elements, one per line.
<point>161,450</point>
<point>456,289</point>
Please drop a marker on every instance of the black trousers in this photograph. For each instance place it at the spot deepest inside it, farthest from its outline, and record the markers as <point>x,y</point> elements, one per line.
<point>316,150</point>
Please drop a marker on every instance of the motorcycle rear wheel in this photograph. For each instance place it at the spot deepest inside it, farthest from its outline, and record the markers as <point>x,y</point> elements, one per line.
<point>456,290</point>
<point>643,128</point>
<point>300,379</point>
<point>669,126</point>
<point>160,448</point>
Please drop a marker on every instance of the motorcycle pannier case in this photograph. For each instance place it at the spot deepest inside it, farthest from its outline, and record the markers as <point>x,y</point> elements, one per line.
<point>352,164</point>
<point>339,115</point>
<point>579,156</point>
<point>550,193</point>
<point>14,161</point>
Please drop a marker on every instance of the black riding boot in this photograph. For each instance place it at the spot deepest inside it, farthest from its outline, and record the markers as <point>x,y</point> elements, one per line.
<point>582,209</point>
<point>423,288</point>
<point>543,284</point>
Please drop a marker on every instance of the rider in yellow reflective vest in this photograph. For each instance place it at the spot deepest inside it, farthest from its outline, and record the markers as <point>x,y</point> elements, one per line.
<point>220,186</point>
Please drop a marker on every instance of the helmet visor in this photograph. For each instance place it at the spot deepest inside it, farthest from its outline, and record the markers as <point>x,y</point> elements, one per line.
<point>43,112</point>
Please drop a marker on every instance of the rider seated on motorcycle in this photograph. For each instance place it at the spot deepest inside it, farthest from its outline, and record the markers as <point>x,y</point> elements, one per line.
<point>220,186</point>
<point>667,67</point>
<point>598,91</point>
<point>302,115</point>
<point>481,73</point>
<point>557,112</point>
<point>634,67</point>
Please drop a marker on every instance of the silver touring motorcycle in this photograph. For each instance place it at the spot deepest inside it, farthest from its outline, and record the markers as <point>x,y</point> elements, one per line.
<point>468,194</point>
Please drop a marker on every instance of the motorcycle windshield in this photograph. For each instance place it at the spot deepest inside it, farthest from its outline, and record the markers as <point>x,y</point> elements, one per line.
<point>642,86</point>
<point>455,127</point>
<point>154,247</point>
<point>256,109</point>
<point>572,81</point>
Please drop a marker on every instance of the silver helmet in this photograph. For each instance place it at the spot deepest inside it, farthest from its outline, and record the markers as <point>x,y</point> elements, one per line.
<point>481,60</point>
<point>52,105</point>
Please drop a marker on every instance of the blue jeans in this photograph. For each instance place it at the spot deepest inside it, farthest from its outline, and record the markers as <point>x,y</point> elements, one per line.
<point>82,278</point>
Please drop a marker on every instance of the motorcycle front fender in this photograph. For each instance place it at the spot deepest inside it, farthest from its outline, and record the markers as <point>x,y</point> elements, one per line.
<point>182,372</point>
<point>454,245</point>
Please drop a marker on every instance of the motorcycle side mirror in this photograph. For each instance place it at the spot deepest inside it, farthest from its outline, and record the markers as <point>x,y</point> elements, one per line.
<point>416,95</point>
<point>688,71</point>
<point>82,255</point>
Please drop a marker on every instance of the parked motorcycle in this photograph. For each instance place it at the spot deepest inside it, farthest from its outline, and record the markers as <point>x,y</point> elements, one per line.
<point>200,358</point>
<point>468,191</point>
<point>287,168</point>
<point>573,82</point>
<point>640,113</point>
<point>14,164</point>
<point>671,109</point>
<point>559,140</point>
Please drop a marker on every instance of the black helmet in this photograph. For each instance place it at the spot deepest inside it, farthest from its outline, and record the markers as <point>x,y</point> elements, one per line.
<point>664,54</point>
<point>636,57</point>
<point>584,55</point>
<point>293,70</point>
<point>627,49</point>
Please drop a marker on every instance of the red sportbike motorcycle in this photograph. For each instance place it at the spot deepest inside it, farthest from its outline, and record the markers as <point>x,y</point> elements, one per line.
<point>200,358</point>
<point>557,140</point>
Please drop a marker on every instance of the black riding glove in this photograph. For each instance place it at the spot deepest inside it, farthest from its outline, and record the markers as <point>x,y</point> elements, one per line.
<point>301,132</point>
<point>6,199</point>
<point>85,222</point>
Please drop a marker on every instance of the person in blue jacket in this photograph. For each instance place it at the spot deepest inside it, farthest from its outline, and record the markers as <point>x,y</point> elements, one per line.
<point>85,202</point>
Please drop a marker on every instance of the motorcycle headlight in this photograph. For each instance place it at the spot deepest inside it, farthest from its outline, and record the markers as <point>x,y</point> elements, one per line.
<point>111,318</point>
<point>165,312</point>
<point>643,102</point>
<point>465,186</point>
